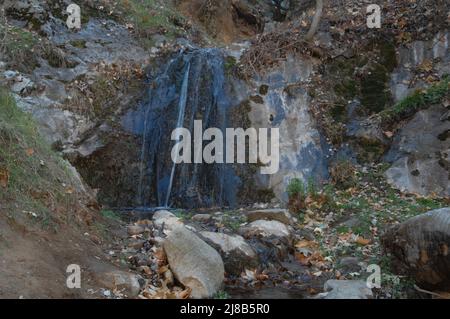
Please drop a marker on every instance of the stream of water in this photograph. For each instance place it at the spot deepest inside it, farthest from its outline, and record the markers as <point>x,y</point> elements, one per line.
<point>191,85</point>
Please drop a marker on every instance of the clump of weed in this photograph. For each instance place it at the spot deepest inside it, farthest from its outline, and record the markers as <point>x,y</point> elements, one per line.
<point>343,174</point>
<point>416,101</point>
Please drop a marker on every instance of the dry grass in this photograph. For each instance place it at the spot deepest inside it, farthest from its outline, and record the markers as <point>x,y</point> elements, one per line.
<point>271,48</point>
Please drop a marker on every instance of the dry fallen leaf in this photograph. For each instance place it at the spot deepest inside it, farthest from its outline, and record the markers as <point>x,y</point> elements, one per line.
<point>4,177</point>
<point>306,244</point>
<point>388,134</point>
<point>302,259</point>
<point>426,66</point>
<point>160,255</point>
<point>262,277</point>
<point>29,151</point>
<point>362,241</point>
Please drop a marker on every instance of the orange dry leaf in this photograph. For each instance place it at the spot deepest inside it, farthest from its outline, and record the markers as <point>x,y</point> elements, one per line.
<point>345,236</point>
<point>29,151</point>
<point>362,241</point>
<point>160,255</point>
<point>302,259</point>
<point>163,269</point>
<point>426,66</point>
<point>306,244</point>
<point>388,134</point>
<point>185,294</point>
<point>4,177</point>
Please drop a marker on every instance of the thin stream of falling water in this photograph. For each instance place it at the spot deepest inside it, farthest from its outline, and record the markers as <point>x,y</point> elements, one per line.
<point>142,163</point>
<point>181,112</point>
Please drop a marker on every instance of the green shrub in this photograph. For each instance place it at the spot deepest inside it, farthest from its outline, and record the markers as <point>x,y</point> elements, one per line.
<point>297,195</point>
<point>295,187</point>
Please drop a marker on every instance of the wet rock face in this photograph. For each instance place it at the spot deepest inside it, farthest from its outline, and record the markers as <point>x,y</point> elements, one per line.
<point>421,154</point>
<point>283,103</point>
<point>420,248</point>
<point>191,86</point>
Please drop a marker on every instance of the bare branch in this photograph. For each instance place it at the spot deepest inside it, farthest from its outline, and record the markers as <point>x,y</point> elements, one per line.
<point>315,24</point>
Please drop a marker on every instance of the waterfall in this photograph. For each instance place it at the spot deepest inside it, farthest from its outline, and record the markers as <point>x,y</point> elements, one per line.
<point>181,112</point>
<point>191,85</point>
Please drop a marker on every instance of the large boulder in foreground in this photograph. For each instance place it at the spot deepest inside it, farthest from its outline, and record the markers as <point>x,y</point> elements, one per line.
<point>194,263</point>
<point>236,253</point>
<point>420,248</point>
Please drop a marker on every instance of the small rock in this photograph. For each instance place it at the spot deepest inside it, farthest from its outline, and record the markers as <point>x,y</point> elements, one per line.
<point>266,228</point>
<point>281,215</point>
<point>145,269</point>
<point>21,83</point>
<point>136,244</point>
<point>126,282</point>
<point>9,74</point>
<point>347,289</point>
<point>349,264</point>
<point>236,253</point>
<point>165,220</point>
<point>134,230</point>
<point>194,263</point>
<point>202,218</point>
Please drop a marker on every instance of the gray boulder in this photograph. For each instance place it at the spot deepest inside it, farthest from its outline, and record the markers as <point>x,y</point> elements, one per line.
<point>420,248</point>
<point>202,218</point>
<point>347,289</point>
<point>281,215</point>
<point>194,263</point>
<point>166,221</point>
<point>125,282</point>
<point>421,155</point>
<point>266,228</point>
<point>235,251</point>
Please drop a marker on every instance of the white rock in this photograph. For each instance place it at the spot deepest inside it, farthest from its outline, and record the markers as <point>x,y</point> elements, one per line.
<point>235,251</point>
<point>126,282</point>
<point>281,215</point>
<point>135,230</point>
<point>202,218</point>
<point>266,228</point>
<point>166,221</point>
<point>347,289</point>
<point>194,263</point>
